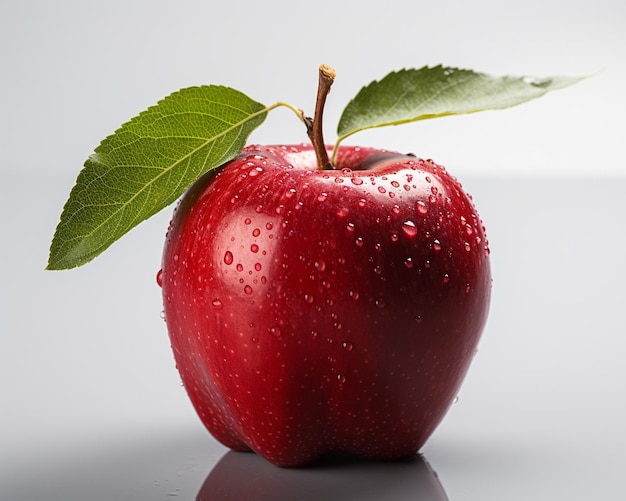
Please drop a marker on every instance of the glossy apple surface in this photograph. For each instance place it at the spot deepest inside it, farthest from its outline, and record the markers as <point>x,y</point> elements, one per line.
<point>315,311</point>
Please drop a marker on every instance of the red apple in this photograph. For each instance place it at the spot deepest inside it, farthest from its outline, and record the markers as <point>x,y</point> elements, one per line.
<point>318,311</point>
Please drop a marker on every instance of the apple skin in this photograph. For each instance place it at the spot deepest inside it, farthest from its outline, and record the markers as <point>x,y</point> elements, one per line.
<point>325,311</point>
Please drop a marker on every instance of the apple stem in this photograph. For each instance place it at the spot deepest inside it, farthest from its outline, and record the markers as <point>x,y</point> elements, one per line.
<point>315,126</point>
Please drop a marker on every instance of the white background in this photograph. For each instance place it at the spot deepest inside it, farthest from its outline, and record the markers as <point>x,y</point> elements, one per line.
<point>84,356</point>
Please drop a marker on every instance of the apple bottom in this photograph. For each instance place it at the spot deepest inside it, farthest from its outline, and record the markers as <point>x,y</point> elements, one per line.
<point>295,406</point>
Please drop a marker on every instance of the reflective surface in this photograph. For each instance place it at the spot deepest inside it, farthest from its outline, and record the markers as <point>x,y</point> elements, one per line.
<point>91,406</point>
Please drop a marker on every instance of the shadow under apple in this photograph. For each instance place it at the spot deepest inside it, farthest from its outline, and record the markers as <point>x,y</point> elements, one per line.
<point>245,476</point>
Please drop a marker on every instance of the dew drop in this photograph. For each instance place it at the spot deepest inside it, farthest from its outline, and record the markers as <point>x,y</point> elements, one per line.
<point>356,180</point>
<point>275,331</point>
<point>254,248</point>
<point>162,314</point>
<point>381,189</point>
<point>421,208</point>
<point>159,278</point>
<point>409,229</point>
<point>354,295</point>
<point>320,265</point>
<point>395,184</point>
<point>269,226</point>
<point>247,289</point>
<point>394,237</point>
<point>446,278</point>
<point>350,227</point>
<point>256,232</point>
<point>309,298</point>
<point>468,229</point>
<point>257,266</point>
<point>408,262</point>
<point>380,303</point>
<point>228,257</point>
<point>343,212</point>
<point>378,270</point>
<point>322,197</point>
<point>347,345</point>
<point>247,220</point>
<point>341,378</point>
<point>434,190</point>
<point>217,304</point>
<point>468,247</point>
<point>240,267</point>
<point>436,245</point>
<point>396,209</point>
<point>362,202</point>
<point>359,242</point>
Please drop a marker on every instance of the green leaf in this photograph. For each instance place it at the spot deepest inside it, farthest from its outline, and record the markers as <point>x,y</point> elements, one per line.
<point>147,164</point>
<point>418,94</point>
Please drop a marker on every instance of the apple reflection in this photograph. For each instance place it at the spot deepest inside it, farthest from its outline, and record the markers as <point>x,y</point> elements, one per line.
<point>247,476</point>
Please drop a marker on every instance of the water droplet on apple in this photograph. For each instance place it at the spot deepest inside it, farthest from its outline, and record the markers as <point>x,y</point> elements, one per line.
<point>356,180</point>
<point>409,229</point>
<point>434,190</point>
<point>350,227</point>
<point>378,270</point>
<point>347,345</point>
<point>254,248</point>
<point>396,209</point>
<point>341,378</point>
<point>257,266</point>
<point>421,208</point>
<point>394,236</point>
<point>322,197</point>
<point>468,288</point>
<point>309,298</point>
<point>362,202</point>
<point>380,303</point>
<point>468,247</point>
<point>342,212</point>
<point>359,242</point>
<point>468,229</point>
<point>320,265</point>
<point>275,331</point>
<point>159,278</point>
<point>217,304</point>
<point>163,314</point>
<point>228,257</point>
<point>269,226</point>
<point>381,189</point>
<point>247,220</point>
<point>239,267</point>
<point>436,245</point>
<point>354,295</point>
<point>446,278</point>
<point>248,289</point>
<point>408,262</point>
<point>256,232</point>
